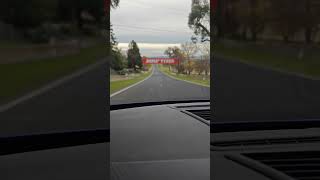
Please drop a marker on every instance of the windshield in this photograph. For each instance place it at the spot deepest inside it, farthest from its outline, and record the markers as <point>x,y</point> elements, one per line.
<point>159,51</point>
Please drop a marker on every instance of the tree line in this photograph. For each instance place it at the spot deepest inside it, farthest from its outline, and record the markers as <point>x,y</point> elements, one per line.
<point>131,60</point>
<point>249,19</point>
<point>192,58</point>
<point>32,15</point>
<point>121,61</point>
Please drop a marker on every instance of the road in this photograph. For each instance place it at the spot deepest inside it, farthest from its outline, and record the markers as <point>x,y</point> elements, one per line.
<point>160,87</point>
<point>241,92</point>
<point>80,103</point>
<point>247,93</point>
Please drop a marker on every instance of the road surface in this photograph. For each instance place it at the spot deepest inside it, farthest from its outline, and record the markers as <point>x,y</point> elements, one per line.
<point>240,92</point>
<point>247,93</point>
<point>160,87</point>
<point>80,103</point>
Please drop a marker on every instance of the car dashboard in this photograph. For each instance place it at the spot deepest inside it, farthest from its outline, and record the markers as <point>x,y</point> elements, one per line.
<point>169,141</point>
<point>266,154</point>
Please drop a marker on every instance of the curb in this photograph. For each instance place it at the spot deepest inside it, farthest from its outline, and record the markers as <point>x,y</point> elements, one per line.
<point>50,86</point>
<point>126,88</point>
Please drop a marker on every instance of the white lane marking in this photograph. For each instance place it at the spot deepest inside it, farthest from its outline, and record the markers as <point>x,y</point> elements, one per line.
<point>124,89</point>
<point>50,86</point>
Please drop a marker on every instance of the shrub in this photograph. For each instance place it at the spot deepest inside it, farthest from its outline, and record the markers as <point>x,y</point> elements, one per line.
<point>43,33</point>
<point>123,72</point>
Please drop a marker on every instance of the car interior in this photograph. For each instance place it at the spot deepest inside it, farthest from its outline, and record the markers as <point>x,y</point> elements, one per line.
<point>168,141</point>
<point>278,150</point>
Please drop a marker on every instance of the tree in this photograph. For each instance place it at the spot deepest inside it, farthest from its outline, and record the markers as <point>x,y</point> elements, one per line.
<point>222,18</point>
<point>72,10</point>
<point>205,56</point>
<point>203,65</point>
<point>247,16</point>
<point>134,57</point>
<point>117,62</point>
<point>189,66</point>
<point>310,19</point>
<point>27,14</point>
<point>285,17</point>
<point>257,18</point>
<point>204,49</point>
<point>113,39</point>
<point>199,19</point>
<point>176,52</point>
<point>114,3</point>
<point>189,49</point>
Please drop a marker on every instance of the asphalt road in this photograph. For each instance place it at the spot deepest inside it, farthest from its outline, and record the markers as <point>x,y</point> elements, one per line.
<point>160,87</point>
<point>80,103</point>
<point>246,93</point>
<point>240,92</point>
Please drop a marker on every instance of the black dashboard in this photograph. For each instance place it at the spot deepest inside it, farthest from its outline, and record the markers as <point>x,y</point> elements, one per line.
<point>282,154</point>
<point>170,141</point>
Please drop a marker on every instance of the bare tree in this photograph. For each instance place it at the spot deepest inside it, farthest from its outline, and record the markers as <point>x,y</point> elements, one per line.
<point>285,17</point>
<point>189,49</point>
<point>203,65</point>
<point>176,52</point>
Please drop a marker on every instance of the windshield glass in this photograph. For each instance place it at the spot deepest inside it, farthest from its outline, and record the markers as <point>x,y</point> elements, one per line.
<point>160,51</point>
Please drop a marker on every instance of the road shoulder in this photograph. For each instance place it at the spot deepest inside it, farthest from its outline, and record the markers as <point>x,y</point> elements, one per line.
<point>175,78</point>
<point>131,85</point>
<point>50,86</point>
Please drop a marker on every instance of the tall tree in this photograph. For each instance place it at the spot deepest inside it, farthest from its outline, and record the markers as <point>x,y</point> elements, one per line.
<point>114,4</point>
<point>72,10</point>
<point>134,57</point>
<point>204,64</point>
<point>285,17</point>
<point>256,18</point>
<point>176,52</point>
<point>220,17</point>
<point>189,49</point>
<point>251,17</point>
<point>26,14</point>
<point>310,18</point>
<point>118,61</point>
<point>199,19</point>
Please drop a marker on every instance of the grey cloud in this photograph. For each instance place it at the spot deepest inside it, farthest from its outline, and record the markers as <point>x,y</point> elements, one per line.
<point>171,15</point>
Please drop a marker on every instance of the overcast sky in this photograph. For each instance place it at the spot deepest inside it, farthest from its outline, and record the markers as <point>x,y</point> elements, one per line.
<point>152,22</point>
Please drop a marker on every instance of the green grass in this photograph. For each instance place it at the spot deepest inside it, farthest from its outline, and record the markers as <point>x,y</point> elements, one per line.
<point>19,78</point>
<point>197,79</point>
<point>307,66</point>
<point>118,85</point>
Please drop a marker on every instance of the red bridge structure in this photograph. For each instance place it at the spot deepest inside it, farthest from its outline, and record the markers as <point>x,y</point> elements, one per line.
<point>157,60</point>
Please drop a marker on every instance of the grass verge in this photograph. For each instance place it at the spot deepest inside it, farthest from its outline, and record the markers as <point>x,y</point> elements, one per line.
<point>18,78</point>
<point>121,84</point>
<point>196,79</point>
<point>307,66</point>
